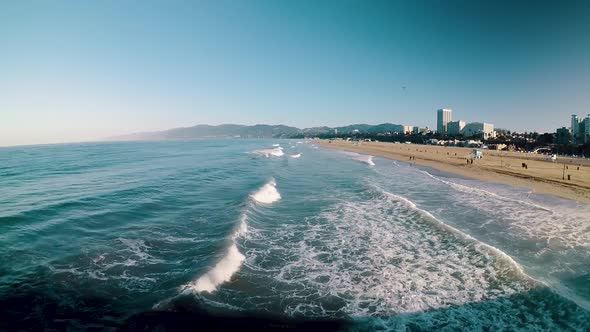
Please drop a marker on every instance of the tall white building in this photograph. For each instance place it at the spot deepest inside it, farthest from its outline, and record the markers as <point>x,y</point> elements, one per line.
<point>455,127</point>
<point>485,130</point>
<point>443,116</point>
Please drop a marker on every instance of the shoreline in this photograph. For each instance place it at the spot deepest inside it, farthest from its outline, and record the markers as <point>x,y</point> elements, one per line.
<point>541,176</point>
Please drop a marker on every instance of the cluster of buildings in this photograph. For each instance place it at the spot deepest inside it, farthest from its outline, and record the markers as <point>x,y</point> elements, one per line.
<point>447,127</point>
<point>578,133</point>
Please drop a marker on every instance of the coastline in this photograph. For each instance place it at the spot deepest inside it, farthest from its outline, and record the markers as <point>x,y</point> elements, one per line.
<point>541,176</point>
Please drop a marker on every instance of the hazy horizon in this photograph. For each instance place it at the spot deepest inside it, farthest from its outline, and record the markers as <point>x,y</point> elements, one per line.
<point>86,71</point>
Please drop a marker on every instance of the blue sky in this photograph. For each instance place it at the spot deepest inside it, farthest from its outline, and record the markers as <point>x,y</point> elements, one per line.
<point>79,70</point>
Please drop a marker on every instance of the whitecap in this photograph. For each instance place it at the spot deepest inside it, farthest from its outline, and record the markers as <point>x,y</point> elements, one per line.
<point>225,268</point>
<point>367,159</point>
<point>220,273</point>
<point>276,152</point>
<point>298,155</point>
<point>267,194</point>
<point>233,258</point>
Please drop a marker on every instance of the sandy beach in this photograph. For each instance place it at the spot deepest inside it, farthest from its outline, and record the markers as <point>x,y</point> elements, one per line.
<point>541,175</point>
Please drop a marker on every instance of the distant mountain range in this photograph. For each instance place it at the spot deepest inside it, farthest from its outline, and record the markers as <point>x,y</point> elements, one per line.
<point>256,131</point>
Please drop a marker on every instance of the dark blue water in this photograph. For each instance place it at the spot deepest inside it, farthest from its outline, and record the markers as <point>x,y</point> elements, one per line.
<point>100,235</point>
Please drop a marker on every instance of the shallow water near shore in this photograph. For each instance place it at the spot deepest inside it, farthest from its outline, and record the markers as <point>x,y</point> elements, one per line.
<point>99,233</point>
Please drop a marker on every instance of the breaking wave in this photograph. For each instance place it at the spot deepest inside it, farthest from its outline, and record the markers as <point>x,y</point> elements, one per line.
<point>233,258</point>
<point>267,194</point>
<point>221,273</point>
<point>225,268</point>
<point>276,152</point>
<point>363,158</point>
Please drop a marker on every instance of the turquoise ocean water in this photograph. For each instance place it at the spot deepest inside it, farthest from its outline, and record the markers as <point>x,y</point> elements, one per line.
<point>95,235</point>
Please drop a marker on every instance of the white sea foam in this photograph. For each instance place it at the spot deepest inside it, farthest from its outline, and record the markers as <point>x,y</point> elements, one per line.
<point>564,240</point>
<point>220,273</point>
<point>276,152</point>
<point>379,255</point>
<point>276,145</point>
<point>451,229</point>
<point>297,155</point>
<point>267,194</point>
<point>225,268</point>
<point>556,230</point>
<point>363,158</point>
<point>137,247</point>
<point>555,241</point>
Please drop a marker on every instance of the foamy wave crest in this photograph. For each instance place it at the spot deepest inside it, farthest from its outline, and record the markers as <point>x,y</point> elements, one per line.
<point>370,161</point>
<point>276,152</point>
<point>225,268</point>
<point>267,194</point>
<point>298,155</point>
<point>366,159</point>
<point>221,272</point>
<point>363,158</point>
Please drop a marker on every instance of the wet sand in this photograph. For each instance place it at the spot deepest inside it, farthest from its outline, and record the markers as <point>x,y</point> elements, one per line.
<point>541,175</point>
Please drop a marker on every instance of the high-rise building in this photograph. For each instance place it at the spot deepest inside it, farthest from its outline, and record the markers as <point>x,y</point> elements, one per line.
<point>580,129</point>
<point>575,128</point>
<point>586,127</point>
<point>443,116</point>
<point>455,127</point>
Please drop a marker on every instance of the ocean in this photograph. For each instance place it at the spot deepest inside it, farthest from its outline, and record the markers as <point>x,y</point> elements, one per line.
<point>281,233</point>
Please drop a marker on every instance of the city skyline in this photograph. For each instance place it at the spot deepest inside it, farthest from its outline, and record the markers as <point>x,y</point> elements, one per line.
<point>84,71</point>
